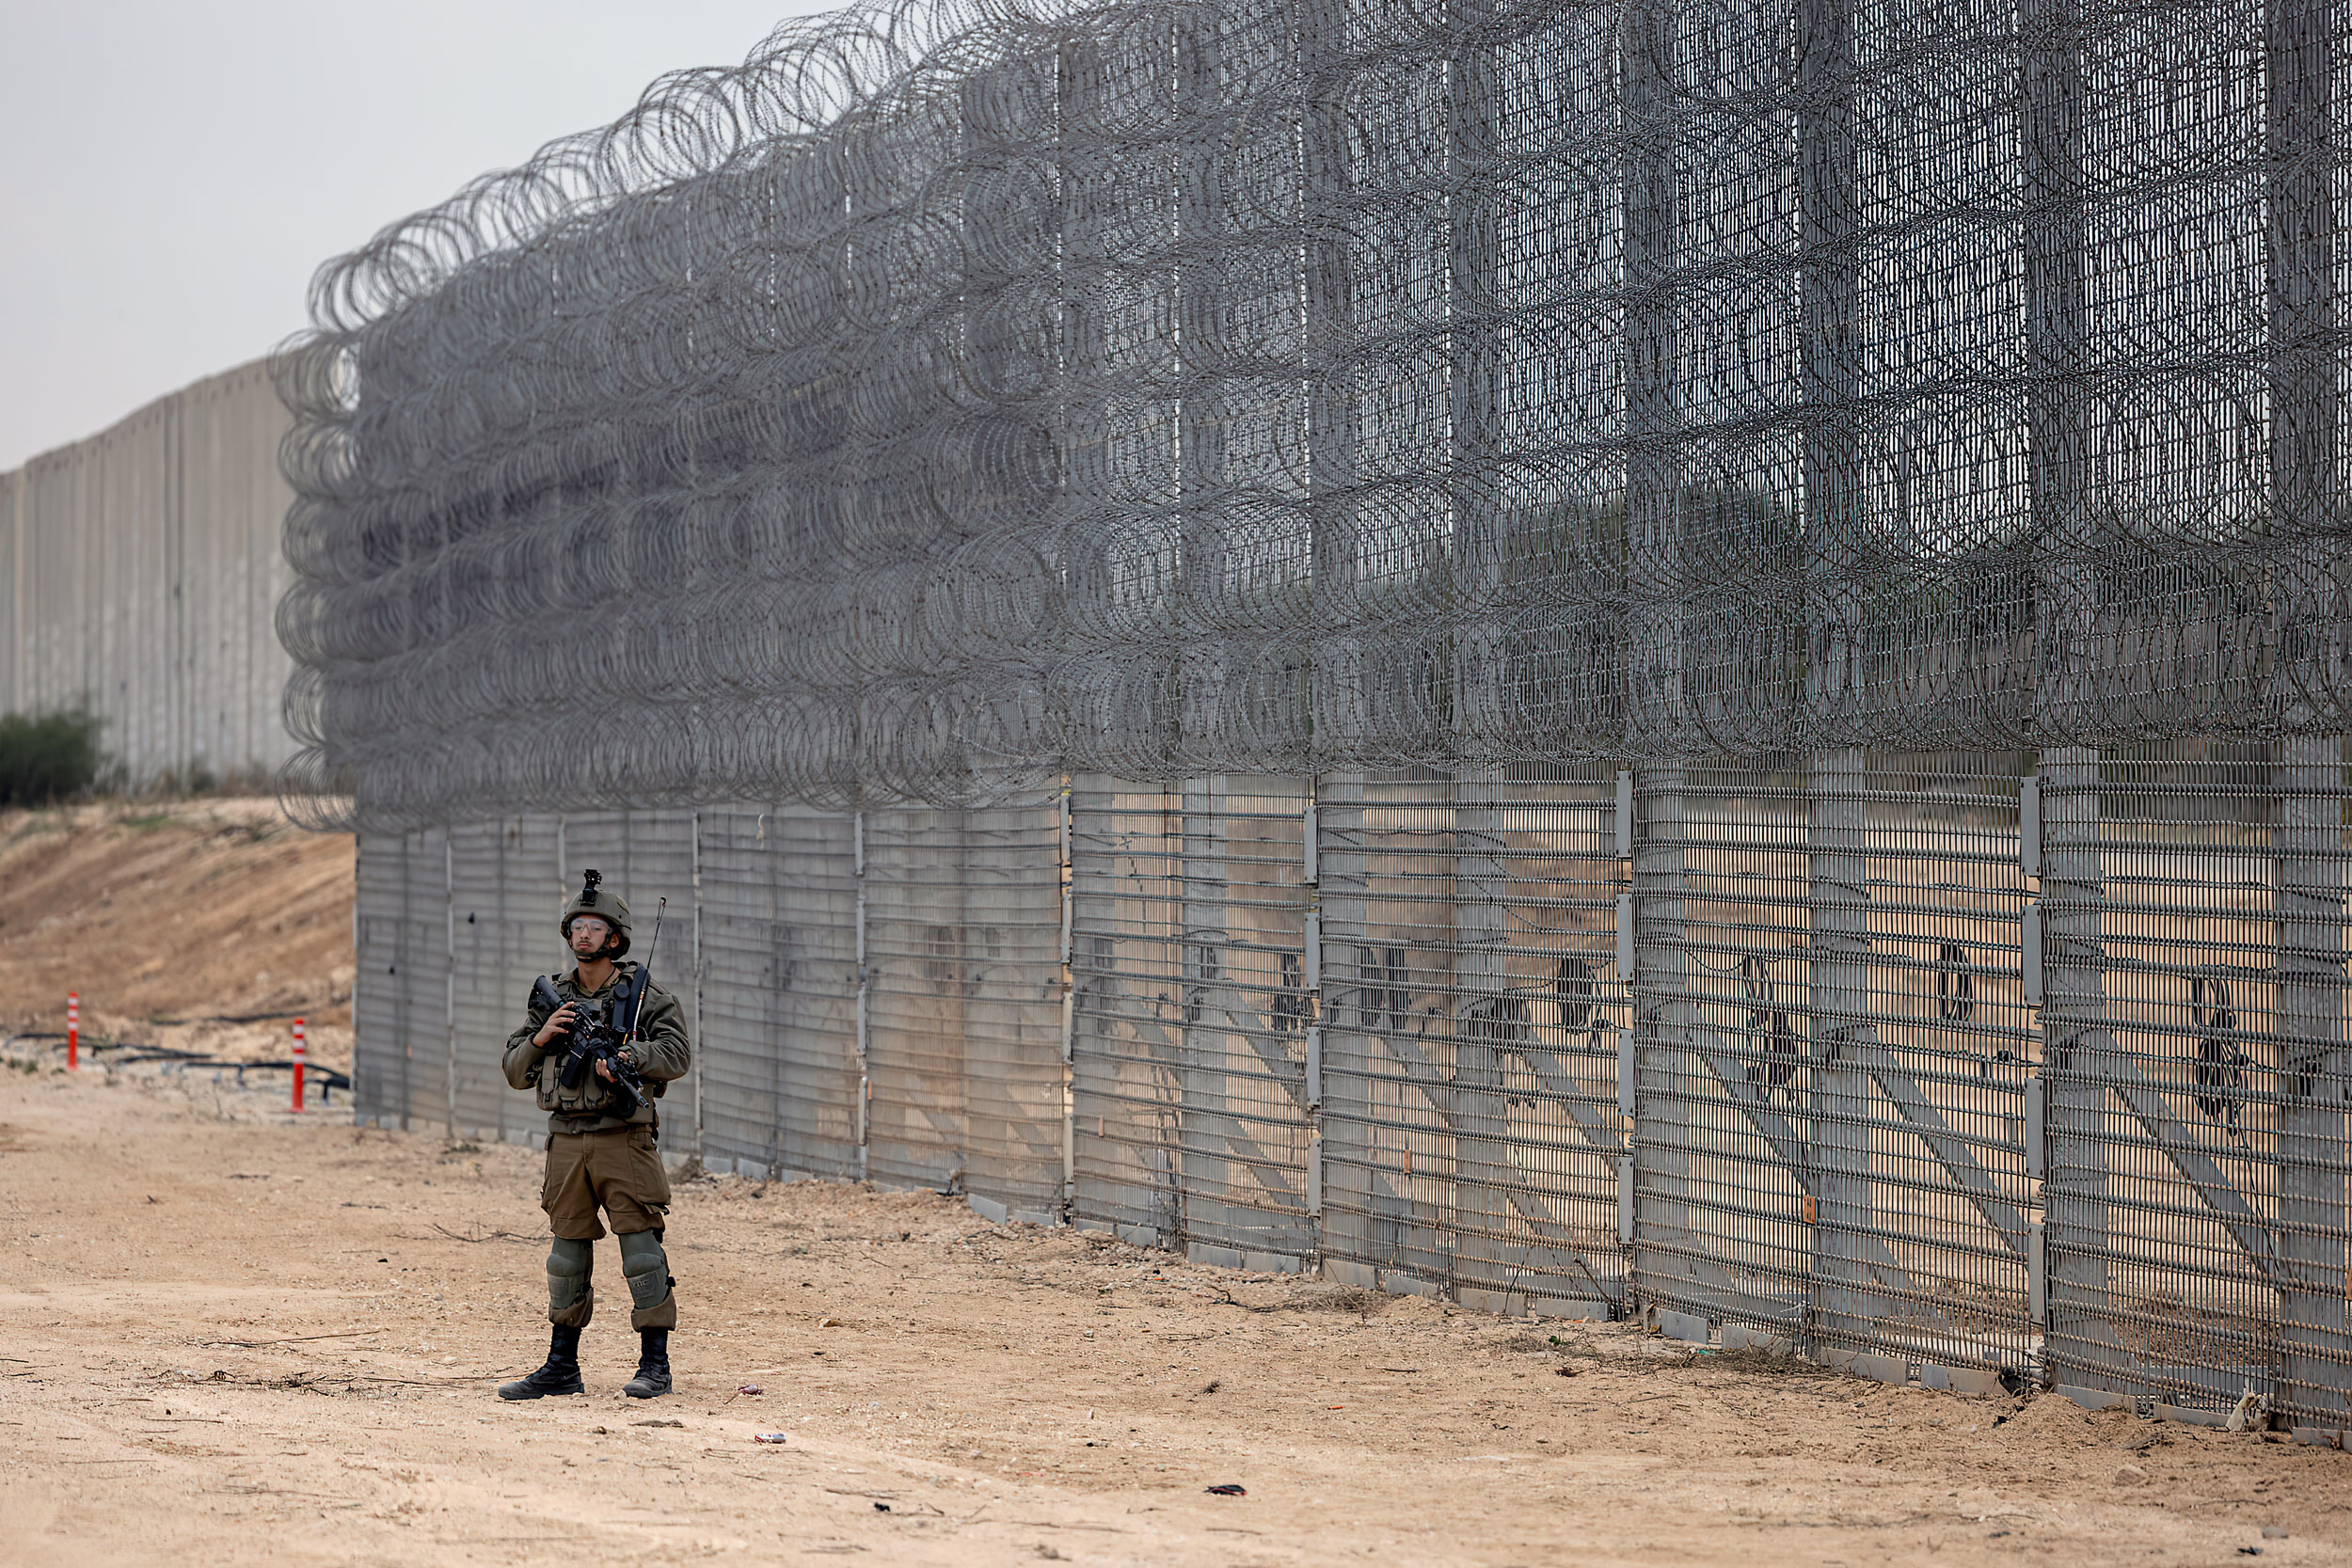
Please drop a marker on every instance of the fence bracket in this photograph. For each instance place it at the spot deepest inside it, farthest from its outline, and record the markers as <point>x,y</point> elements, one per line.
<point>2030,948</point>
<point>2029,825</point>
<point>1625,941</point>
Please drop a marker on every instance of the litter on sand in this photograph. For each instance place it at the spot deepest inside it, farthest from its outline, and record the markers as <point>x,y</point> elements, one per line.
<point>1229,1490</point>
<point>750,1389</point>
<point>770,1438</point>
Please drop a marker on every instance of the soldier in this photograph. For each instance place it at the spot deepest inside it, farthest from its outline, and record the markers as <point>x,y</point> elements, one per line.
<point>599,1154</point>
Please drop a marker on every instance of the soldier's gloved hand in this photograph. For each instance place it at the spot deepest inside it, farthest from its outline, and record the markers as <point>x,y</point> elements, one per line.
<point>559,1021</point>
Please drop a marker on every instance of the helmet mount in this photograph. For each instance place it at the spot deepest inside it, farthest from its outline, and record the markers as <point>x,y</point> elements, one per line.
<point>592,899</point>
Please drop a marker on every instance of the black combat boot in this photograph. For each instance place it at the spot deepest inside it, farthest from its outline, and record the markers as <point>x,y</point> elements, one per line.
<point>653,1365</point>
<point>560,1376</point>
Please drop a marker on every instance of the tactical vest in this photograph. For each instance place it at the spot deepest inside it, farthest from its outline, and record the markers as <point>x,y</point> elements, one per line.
<point>592,1096</point>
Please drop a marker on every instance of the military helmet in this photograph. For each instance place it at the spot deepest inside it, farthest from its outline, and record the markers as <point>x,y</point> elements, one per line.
<point>604,904</point>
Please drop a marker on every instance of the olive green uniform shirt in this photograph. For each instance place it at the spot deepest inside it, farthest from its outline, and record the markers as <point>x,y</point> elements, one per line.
<point>659,1052</point>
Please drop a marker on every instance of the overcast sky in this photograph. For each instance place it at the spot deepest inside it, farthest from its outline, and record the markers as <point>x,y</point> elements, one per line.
<point>171,173</point>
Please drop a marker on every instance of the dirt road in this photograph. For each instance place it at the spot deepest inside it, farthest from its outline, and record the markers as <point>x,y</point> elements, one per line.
<point>234,1339</point>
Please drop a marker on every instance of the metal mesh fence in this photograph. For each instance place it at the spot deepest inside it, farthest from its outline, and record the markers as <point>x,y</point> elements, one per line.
<point>964,1032</point>
<point>1695,653</point>
<point>1470,1131</point>
<point>1830,1027</point>
<point>400,994</point>
<point>1977,1068</point>
<point>2197,1186</point>
<point>1190,1002</point>
<point>778,937</point>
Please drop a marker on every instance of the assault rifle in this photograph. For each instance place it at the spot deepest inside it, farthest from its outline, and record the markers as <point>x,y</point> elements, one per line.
<point>599,1031</point>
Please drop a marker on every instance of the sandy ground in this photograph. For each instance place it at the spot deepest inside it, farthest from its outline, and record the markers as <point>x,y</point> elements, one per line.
<point>231,1337</point>
<point>201,925</point>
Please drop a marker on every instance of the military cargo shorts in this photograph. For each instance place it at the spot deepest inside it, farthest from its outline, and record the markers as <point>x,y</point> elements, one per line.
<point>618,1170</point>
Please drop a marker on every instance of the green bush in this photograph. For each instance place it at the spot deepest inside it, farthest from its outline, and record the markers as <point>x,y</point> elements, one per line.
<point>47,756</point>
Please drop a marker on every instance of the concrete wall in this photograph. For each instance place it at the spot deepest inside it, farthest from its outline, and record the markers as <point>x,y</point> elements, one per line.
<point>140,571</point>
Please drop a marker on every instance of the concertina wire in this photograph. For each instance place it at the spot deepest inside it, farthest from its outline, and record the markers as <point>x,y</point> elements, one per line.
<point>960,394</point>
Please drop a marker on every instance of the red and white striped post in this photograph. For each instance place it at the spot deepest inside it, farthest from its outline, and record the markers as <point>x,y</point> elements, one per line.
<point>297,1065</point>
<point>72,1029</point>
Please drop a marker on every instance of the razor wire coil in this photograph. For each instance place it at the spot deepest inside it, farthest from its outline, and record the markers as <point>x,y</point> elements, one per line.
<point>960,393</point>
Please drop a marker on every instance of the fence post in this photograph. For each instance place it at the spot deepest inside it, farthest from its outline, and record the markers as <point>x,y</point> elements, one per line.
<point>1068,1008</point>
<point>1838,896</point>
<point>2079,1335</point>
<point>1205,1163</point>
<point>449,978</point>
<point>1334,831</point>
<point>1626,958</point>
<point>1203,1068</point>
<point>1310,834</point>
<point>2315,1369</point>
<point>1484,1029</point>
<point>1839,904</point>
<point>1662,1017</point>
<point>960,956</point>
<point>404,976</point>
<point>865,1081</point>
<point>2079,1339</point>
<point>1334,405</point>
<point>700,1049</point>
<point>1655,700</point>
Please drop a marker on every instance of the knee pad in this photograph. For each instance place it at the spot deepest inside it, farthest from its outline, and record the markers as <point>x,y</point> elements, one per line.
<point>646,1268</point>
<point>568,1263</point>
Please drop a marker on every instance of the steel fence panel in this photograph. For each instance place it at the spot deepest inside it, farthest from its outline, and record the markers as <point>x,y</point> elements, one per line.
<point>506,890</point>
<point>963,927</point>
<point>529,900</point>
<point>1469,1123</point>
<point>1127,985</point>
<point>2309,879</point>
<point>1938,1028</point>
<point>1012,1008</point>
<point>1244,1010</point>
<point>747,970</point>
<point>400,1019</point>
<point>486,1005</point>
<point>780,991</point>
<point>1719,886</point>
<point>1192,1011</point>
<point>1400,1056</point>
<point>384,1067</point>
<point>2183,1120</point>
<point>917,884</point>
<point>1384,893</point>
<point>1833,1102</point>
